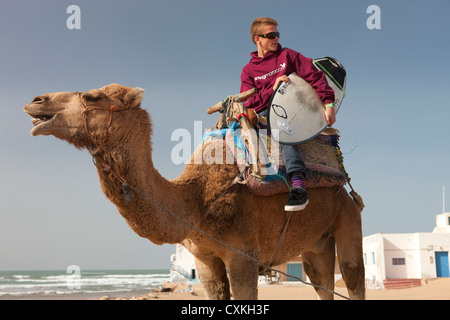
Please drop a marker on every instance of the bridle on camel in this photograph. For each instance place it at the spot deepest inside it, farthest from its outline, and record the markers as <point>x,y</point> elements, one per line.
<point>126,188</point>
<point>87,109</point>
<point>112,108</point>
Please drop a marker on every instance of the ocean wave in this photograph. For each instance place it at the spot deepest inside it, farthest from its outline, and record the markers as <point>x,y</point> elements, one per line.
<point>89,282</point>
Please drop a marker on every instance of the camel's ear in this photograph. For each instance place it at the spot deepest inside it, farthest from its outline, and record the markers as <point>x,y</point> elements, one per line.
<point>134,97</point>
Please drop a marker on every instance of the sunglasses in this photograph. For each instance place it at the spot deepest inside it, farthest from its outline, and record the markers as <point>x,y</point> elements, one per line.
<point>270,35</point>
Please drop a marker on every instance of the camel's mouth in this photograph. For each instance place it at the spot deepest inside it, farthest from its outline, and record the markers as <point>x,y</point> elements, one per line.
<point>41,122</point>
<point>37,120</point>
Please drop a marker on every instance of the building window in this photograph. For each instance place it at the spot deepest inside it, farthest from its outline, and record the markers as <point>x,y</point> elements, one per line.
<point>365,259</point>
<point>398,261</point>
<point>373,257</point>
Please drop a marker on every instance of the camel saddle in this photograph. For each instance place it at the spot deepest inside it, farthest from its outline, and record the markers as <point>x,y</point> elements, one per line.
<point>258,156</point>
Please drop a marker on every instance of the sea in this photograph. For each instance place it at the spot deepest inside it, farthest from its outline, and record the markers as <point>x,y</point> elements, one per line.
<point>76,284</point>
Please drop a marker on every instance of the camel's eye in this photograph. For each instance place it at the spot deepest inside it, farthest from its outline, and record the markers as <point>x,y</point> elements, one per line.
<point>92,99</point>
<point>93,95</point>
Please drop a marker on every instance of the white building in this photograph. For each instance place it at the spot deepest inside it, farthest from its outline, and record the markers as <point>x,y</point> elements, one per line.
<point>407,256</point>
<point>183,265</point>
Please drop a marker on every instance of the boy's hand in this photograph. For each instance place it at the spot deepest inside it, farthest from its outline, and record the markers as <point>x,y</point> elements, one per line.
<point>284,78</point>
<point>330,116</point>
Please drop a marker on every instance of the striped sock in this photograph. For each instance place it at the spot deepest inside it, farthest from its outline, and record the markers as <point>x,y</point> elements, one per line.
<point>297,181</point>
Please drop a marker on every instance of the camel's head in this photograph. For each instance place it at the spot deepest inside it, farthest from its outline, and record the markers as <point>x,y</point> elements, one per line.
<point>79,116</point>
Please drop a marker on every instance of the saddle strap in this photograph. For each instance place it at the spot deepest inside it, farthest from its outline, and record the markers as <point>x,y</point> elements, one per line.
<point>280,243</point>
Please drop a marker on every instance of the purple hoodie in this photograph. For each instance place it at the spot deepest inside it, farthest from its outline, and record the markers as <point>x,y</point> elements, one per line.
<point>262,73</point>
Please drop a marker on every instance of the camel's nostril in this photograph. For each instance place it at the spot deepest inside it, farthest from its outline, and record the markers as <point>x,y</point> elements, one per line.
<point>39,99</point>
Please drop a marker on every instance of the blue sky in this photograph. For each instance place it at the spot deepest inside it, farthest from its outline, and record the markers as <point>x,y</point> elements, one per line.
<point>188,55</point>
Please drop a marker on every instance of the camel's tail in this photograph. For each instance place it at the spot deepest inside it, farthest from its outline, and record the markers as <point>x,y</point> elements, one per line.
<point>356,197</point>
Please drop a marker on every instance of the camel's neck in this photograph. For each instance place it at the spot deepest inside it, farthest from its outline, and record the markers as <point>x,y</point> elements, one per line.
<point>131,160</point>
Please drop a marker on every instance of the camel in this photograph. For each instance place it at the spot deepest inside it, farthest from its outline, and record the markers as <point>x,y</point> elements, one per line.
<point>112,126</point>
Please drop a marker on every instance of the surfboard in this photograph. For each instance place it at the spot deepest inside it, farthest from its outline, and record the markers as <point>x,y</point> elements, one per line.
<point>296,113</point>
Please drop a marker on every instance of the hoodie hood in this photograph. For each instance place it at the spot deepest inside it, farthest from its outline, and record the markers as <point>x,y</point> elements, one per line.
<point>257,60</point>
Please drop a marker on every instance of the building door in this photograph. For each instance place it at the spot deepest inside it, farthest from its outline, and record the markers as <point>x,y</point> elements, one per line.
<point>294,269</point>
<point>442,269</point>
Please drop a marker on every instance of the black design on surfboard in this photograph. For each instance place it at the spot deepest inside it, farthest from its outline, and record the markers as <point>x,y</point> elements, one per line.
<point>279,111</point>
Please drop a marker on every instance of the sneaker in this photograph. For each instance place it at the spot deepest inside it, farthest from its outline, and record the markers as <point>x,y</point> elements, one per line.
<point>298,199</point>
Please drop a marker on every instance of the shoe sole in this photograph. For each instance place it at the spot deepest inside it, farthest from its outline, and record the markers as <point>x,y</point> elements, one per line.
<point>297,207</point>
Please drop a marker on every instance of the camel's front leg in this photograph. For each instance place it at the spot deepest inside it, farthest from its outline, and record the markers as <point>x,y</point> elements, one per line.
<point>213,276</point>
<point>243,274</point>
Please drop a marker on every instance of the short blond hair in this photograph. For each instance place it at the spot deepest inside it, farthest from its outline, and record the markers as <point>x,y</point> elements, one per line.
<point>258,25</point>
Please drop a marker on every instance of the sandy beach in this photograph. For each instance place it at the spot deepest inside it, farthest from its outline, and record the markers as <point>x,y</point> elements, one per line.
<point>433,289</point>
